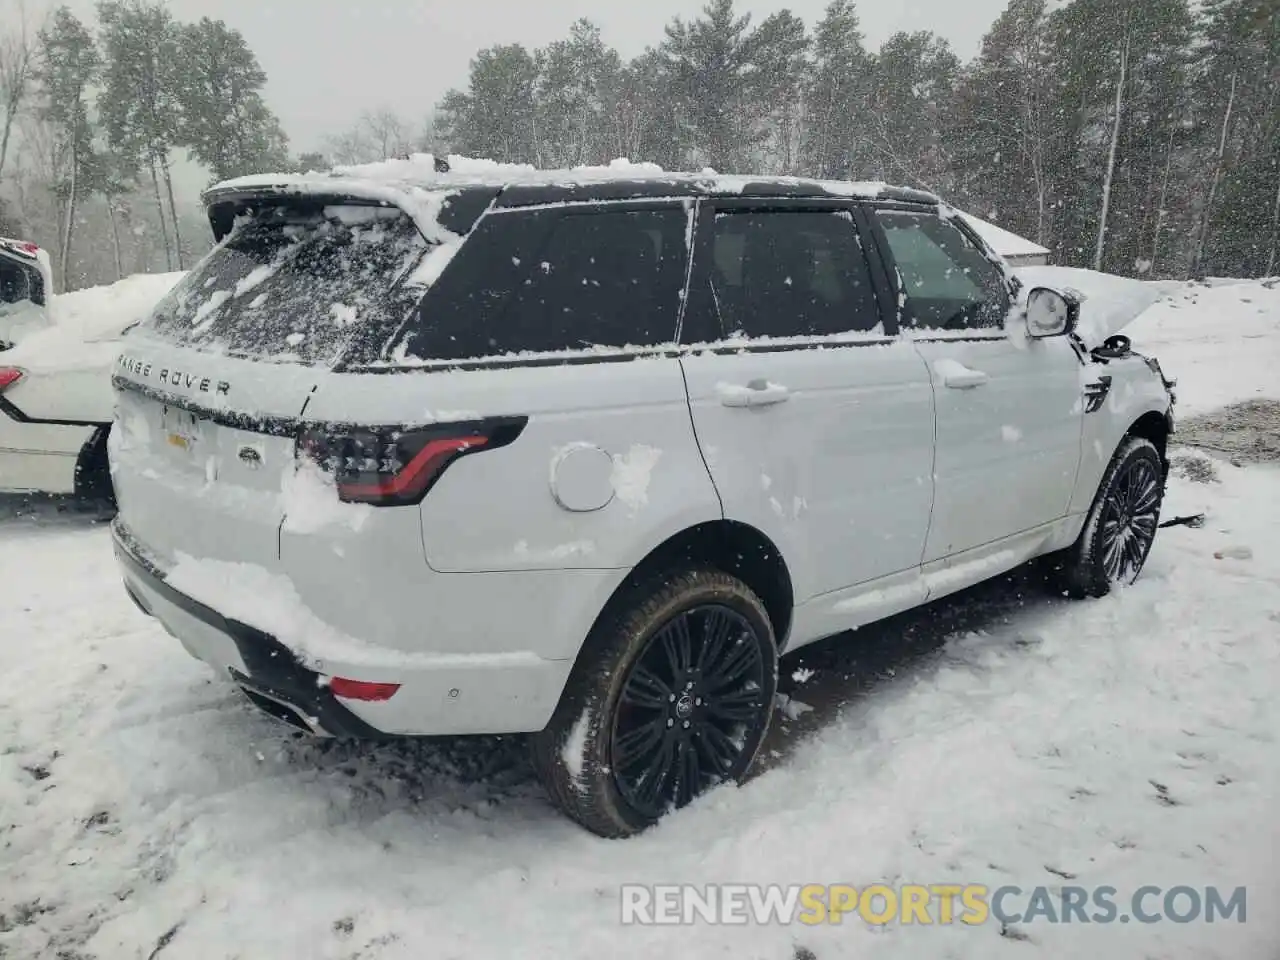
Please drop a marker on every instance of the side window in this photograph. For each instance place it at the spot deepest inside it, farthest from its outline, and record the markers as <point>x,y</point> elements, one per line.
<point>790,273</point>
<point>609,279</point>
<point>949,284</point>
<point>547,280</point>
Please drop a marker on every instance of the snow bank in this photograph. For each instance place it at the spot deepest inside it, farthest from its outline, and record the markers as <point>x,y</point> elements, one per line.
<point>87,324</point>
<point>1220,343</point>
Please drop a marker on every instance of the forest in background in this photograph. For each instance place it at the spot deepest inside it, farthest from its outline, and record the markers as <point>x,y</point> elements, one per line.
<point>1141,137</point>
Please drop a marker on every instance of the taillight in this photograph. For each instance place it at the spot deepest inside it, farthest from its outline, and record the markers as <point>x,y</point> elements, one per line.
<point>362,690</point>
<point>8,377</point>
<point>395,466</point>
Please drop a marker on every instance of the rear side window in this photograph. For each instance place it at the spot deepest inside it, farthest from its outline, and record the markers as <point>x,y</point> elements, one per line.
<point>790,273</point>
<point>949,284</point>
<point>290,285</point>
<point>549,281</point>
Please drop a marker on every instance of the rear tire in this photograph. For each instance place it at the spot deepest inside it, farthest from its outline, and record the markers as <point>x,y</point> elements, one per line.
<point>672,693</point>
<point>1121,526</point>
<point>93,489</point>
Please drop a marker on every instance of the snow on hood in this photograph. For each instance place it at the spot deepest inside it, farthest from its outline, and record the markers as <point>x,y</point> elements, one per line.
<point>1000,240</point>
<point>87,324</point>
<point>1109,303</point>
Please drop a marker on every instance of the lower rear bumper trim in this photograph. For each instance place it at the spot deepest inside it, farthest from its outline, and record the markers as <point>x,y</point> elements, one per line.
<point>274,671</point>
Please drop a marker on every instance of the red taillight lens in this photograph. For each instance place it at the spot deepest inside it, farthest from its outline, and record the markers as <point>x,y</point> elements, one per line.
<point>8,377</point>
<point>387,466</point>
<point>362,690</point>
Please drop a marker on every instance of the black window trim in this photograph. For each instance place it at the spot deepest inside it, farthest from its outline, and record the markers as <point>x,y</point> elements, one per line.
<point>889,267</point>
<point>703,211</point>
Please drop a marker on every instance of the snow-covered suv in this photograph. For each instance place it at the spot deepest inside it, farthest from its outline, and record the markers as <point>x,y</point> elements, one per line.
<point>580,454</point>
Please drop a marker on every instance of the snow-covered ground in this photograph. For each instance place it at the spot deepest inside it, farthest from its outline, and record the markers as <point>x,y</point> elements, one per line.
<point>1000,738</point>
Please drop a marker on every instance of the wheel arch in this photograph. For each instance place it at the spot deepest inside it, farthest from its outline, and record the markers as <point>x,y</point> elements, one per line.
<point>1154,426</point>
<point>733,547</point>
<point>93,468</point>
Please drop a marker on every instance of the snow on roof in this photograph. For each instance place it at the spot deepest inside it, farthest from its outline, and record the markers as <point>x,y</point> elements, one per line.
<point>1002,241</point>
<point>420,171</point>
<point>416,186</point>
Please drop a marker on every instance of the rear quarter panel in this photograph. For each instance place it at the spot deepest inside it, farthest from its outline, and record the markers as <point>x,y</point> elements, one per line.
<point>626,422</point>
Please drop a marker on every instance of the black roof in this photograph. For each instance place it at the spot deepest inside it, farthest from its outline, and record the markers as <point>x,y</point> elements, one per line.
<point>469,196</point>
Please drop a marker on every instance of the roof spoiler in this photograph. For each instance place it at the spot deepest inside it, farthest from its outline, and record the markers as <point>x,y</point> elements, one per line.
<point>457,214</point>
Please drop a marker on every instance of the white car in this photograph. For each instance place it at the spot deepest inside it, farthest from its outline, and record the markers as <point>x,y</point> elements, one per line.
<point>56,402</point>
<point>579,455</point>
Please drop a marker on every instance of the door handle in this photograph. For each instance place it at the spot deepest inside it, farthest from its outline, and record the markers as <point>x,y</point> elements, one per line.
<point>959,377</point>
<point>757,393</point>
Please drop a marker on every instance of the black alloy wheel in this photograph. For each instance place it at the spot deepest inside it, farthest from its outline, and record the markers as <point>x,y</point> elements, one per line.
<point>690,705</point>
<point>1130,515</point>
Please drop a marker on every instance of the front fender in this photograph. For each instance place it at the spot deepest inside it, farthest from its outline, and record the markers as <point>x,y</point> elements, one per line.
<point>1135,392</point>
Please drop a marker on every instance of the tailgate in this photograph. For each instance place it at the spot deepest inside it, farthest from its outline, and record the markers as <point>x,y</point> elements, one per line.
<point>195,475</point>
<point>211,387</point>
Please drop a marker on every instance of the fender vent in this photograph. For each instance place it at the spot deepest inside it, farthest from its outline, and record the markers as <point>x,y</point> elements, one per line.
<point>1095,394</point>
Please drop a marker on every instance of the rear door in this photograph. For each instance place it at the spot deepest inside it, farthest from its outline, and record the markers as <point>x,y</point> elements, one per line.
<point>1009,411</point>
<point>816,424</point>
<point>211,387</point>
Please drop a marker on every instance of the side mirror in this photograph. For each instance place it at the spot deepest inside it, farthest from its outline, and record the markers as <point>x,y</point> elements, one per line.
<point>1051,313</point>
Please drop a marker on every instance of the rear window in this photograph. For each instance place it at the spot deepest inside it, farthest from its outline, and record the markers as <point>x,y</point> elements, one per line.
<point>290,285</point>
<point>529,282</point>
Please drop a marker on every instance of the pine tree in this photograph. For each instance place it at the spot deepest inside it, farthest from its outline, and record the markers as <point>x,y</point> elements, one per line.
<point>1122,95</point>
<point>774,96</point>
<point>709,62</point>
<point>496,116</point>
<point>913,85</point>
<point>140,102</point>
<point>577,87</point>
<point>644,120</point>
<point>1239,103</point>
<point>838,96</point>
<point>1001,122</point>
<point>68,66</point>
<point>223,117</point>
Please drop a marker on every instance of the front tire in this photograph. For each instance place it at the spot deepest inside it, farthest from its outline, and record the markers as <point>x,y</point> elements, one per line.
<point>671,695</point>
<point>1121,526</point>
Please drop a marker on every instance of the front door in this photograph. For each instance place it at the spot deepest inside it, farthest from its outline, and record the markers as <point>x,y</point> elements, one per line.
<point>816,425</point>
<point>1009,409</point>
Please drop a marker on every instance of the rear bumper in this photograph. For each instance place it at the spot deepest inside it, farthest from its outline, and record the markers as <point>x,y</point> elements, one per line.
<point>441,694</point>
<point>268,672</point>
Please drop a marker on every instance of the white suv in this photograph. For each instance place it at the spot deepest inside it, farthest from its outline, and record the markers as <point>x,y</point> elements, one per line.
<point>580,455</point>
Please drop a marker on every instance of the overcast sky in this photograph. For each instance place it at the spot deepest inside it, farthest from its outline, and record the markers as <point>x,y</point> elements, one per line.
<point>328,60</point>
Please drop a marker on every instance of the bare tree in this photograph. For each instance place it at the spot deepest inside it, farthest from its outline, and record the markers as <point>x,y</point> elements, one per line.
<point>1202,236</point>
<point>17,62</point>
<point>1116,126</point>
<point>350,146</point>
<point>387,132</point>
